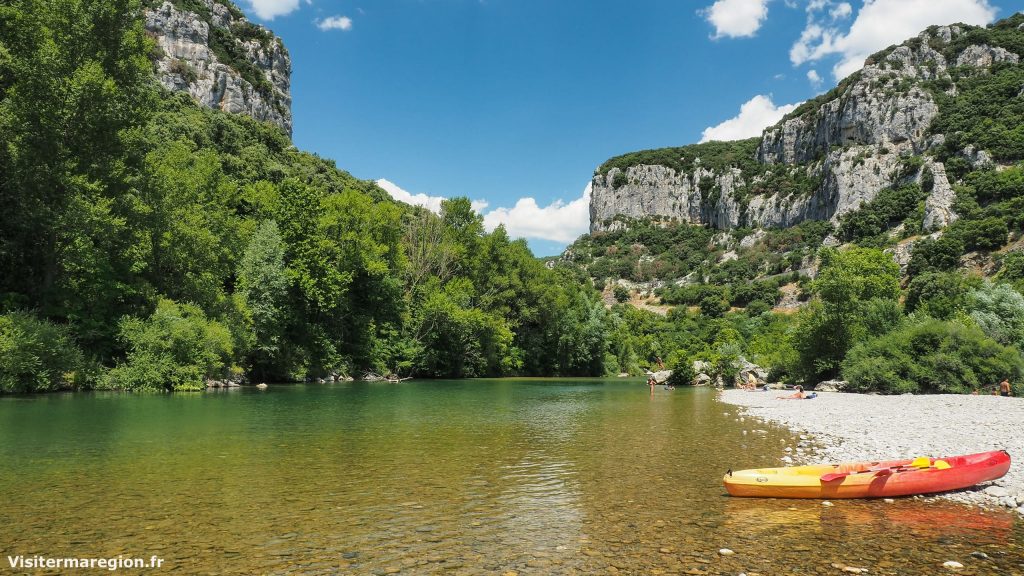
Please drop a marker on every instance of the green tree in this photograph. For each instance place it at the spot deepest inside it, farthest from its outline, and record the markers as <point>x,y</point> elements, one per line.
<point>850,284</point>
<point>74,82</point>
<point>37,355</point>
<point>263,288</point>
<point>998,310</point>
<point>939,294</point>
<point>931,356</point>
<point>176,348</point>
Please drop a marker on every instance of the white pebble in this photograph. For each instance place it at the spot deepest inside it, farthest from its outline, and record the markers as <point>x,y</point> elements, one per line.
<point>952,564</point>
<point>826,503</point>
<point>888,500</point>
<point>726,552</point>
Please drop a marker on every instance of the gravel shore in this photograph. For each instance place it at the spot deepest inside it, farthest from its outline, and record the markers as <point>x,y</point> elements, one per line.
<point>841,427</point>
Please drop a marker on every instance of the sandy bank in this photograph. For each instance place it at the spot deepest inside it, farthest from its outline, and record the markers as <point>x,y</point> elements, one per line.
<point>866,427</point>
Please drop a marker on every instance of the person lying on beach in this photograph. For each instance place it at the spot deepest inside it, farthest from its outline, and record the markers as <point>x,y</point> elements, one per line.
<point>751,382</point>
<point>798,395</point>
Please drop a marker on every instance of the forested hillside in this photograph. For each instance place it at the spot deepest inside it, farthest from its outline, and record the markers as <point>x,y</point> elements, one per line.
<point>149,243</point>
<point>882,220</point>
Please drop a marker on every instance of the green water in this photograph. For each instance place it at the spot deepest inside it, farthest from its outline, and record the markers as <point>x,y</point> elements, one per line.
<point>466,477</point>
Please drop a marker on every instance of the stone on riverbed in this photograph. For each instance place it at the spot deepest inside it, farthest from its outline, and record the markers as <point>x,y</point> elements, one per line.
<point>997,492</point>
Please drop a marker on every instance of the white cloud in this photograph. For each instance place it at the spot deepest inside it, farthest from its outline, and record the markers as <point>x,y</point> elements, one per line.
<point>270,9</point>
<point>840,11</point>
<point>334,23</point>
<point>558,221</point>
<point>814,77</point>
<point>432,203</point>
<point>878,24</point>
<point>755,115</point>
<point>736,18</point>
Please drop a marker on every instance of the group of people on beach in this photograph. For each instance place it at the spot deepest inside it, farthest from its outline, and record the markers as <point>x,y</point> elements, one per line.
<point>1004,389</point>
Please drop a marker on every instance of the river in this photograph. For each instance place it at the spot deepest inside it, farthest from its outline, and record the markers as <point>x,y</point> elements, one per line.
<point>532,476</point>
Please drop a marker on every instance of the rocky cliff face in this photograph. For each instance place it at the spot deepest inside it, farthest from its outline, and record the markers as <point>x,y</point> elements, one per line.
<point>222,60</point>
<point>848,144</point>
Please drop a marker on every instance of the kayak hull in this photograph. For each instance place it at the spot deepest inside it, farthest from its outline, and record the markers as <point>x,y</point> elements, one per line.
<point>878,479</point>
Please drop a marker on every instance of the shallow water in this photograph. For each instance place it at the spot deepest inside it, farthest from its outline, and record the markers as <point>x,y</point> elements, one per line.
<point>462,477</point>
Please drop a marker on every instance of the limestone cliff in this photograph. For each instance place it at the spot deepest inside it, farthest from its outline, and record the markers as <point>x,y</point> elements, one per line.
<point>823,160</point>
<point>208,49</point>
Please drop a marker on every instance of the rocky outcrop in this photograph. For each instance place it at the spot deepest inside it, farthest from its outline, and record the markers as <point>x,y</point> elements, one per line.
<point>938,207</point>
<point>256,78</point>
<point>850,142</point>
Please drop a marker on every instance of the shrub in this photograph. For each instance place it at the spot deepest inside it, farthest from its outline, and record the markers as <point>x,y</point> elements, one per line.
<point>938,294</point>
<point>999,312</point>
<point>935,255</point>
<point>930,356</point>
<point>713,307</point>
<point>177,348</point>
<point>682,372</point>
<point>37,355</point>
<point>985,234</point>
<point>621,293</point>
<point>890,207</point>
<point>1012,267</point>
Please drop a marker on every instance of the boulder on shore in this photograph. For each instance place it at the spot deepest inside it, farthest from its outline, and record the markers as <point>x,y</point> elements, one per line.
<point>831,386</point>
<point>749,370</point>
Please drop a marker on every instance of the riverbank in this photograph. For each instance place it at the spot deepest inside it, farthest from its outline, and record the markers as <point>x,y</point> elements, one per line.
<point>839,426</point>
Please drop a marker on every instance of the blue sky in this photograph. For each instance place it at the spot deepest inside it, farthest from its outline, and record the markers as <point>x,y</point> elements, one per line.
<point>513,103</point>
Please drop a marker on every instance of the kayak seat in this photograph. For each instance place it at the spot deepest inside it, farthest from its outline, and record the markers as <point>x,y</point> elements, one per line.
<point>942,464</point>
<point>921,462</point>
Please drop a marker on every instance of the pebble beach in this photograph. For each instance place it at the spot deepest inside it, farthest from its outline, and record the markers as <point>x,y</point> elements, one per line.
<point>838,427</point>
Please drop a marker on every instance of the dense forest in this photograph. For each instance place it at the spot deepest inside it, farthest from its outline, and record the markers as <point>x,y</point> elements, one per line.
<point>146,242</point>
<point>149,243</point>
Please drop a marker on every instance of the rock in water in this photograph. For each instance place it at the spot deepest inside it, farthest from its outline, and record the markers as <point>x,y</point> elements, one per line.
<point>661,376</point>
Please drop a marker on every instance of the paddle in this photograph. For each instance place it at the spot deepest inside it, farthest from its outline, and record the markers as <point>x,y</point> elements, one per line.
<point>877,472</point>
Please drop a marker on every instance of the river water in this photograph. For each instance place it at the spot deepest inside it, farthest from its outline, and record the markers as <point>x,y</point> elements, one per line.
<point>532,476</point>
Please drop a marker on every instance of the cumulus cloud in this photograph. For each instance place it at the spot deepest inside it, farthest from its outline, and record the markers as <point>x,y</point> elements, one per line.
<point>335,23</point>
<point>559,221</point>
<point>432,203</point>
<point>814,78</point>
<point>878,24</point>
<point>755,115</point>
<point>270,9</point>
<point>736,18</point>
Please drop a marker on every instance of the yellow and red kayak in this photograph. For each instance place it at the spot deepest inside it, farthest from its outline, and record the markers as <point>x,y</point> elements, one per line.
<point>870,479</point>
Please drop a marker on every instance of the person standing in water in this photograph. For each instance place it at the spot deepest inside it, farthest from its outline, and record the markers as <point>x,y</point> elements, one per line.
<point>1004,388</point>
